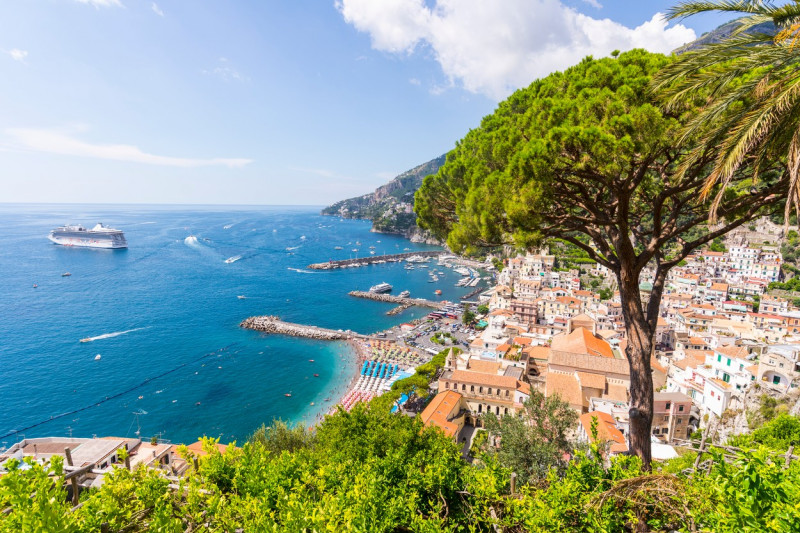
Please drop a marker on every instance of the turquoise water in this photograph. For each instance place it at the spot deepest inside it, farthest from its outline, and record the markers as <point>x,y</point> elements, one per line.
<point>165,312</point>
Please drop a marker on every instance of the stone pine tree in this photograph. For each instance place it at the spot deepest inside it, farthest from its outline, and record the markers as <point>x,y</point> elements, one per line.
<point>585,155</point>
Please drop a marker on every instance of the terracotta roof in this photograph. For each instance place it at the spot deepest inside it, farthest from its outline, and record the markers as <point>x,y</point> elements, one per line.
<point>477,343</point>
<point>591,363</point>
<point>503,348</point>
<point>581,341</point>
<point>655,365</point>
<point>722,287</point>
<point>522,341</point>
<point>734,352</point>
<point>503,312</point>
<point>696,340</point>
<point>440,407</point>
<point>566,386</point>
<point>539,352</point>
<point>197,448</point>
<point>487,367</point>
<point>607,430</point>
<point>618,393</point>
<point>753,369</point>
<point>481,378</point>
<point>594,381</point>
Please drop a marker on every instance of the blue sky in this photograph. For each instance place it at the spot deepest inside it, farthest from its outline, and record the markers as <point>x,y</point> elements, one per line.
<point>273,102</point>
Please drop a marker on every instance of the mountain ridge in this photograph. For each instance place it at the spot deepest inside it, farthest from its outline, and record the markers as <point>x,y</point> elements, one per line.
<point>390,207</point>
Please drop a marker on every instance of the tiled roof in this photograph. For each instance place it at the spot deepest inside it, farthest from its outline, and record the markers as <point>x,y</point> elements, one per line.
<point>440,407</point>
<point>595,381</point>
<point>487,367</point>
<point>566,386</point>
<point>581,341</point>
<point>734,352</point>
<point>480,378</point>
<point>606,430</point>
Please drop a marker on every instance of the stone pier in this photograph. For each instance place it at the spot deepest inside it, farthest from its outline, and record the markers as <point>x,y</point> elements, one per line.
<point>383,297</point>
<point>273,324</point>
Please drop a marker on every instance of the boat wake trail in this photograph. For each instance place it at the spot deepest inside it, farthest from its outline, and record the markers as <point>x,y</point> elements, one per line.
<point>290,248</point>
<point>233,259</point>
<point>110,335</point>
<point>301,271</point>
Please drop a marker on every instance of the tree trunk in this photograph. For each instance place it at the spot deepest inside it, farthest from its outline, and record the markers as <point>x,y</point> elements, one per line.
<point>639,350</point>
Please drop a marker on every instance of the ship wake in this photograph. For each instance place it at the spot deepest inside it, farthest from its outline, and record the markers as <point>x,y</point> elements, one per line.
<point>110,335</point>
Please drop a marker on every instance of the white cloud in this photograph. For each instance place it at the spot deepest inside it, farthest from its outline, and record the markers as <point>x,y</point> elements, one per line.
<point>225,71</point>
<point>493,48</point>
<point>101,3</point>
<point>594,3</point>
<point>56,142</point>
<point>156,9</point>
<point>17,54</point>
<point>414,81</point>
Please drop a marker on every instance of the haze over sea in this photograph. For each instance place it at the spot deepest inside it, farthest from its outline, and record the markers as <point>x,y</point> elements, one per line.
<point>164,315</point>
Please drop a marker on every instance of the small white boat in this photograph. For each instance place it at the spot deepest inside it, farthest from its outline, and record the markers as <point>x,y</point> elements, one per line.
<point>241,296</point>
<point>98,357</point>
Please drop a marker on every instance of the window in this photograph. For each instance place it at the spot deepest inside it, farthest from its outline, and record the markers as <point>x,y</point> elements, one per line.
<point>480,408</point>
<point>490,390</point>
<point>472,388</point>
<point>726,378</point>
<point>446,385</point>
<point>497,410</point>
<point>505,411</point>
<point>741,367</point>
<point>729,362</point>
<point>668,406</point>
<point>463,386</point>
<point>666,418</point>
<point>680,408</point>
<point>679,421</point>
<point>719,358</point>
<point>480,389</point>
<point>506,393</point>
<point>664,431</point>
<point>776,380</point>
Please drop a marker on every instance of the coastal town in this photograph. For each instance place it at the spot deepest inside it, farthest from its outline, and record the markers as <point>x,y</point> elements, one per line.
<point>722,334</point>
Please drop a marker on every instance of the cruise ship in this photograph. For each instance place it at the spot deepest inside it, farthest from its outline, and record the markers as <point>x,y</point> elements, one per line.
<point>99,236</point>
<point>381,287</point>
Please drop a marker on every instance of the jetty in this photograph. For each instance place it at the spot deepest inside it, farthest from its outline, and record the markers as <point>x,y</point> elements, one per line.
<point>273,324</point>
<point>408,302</point>
<point>373,259</point>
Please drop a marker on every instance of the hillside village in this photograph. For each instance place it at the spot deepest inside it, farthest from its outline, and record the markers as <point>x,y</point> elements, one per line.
<point>720,333</point>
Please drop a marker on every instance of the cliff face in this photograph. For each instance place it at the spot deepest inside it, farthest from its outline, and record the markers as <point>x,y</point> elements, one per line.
<point>721,33</point>
<point>390,207</point>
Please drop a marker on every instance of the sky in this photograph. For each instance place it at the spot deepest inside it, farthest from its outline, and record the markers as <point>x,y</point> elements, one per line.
<point>301,102</point>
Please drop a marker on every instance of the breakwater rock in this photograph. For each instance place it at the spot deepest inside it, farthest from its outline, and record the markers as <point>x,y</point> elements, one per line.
<point>273,324</point>
<point>383,297</point>
<point>397,310</point>
<point>372,259</point>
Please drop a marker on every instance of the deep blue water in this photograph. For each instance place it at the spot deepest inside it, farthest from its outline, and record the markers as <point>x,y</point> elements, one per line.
<point>183,359</point>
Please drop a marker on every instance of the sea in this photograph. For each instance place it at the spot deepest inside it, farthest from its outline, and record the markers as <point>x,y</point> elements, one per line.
<point>167,357</point>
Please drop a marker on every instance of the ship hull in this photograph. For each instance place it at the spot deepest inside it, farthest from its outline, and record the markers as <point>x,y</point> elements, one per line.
<point>86,242</point>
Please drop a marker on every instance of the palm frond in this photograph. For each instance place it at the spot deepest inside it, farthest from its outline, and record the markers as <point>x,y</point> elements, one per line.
<point>687,9</point>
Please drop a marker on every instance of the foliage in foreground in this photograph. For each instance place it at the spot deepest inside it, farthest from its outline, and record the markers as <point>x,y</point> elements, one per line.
<point>368,470</point>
